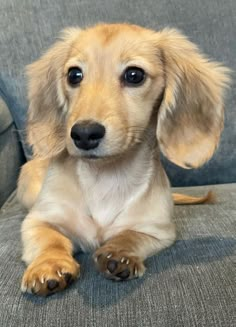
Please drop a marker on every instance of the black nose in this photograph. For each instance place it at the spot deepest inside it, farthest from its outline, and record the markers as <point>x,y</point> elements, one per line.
<point>87,135</point>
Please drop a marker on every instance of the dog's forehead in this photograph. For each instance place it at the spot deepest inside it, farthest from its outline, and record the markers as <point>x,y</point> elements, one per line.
<point>109,33</point>
<point>116,40</point>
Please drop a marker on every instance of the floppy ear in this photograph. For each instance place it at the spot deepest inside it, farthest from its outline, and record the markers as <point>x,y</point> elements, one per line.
<point>47,102</point>
<point>191,117</point>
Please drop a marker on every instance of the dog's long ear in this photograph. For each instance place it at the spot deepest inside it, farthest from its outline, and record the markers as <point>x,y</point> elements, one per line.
<point>191,117</point>
<point>46,114</point>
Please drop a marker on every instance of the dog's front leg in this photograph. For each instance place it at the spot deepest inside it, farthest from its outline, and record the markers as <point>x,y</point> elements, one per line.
<point>122,257</point>
<point>48,254</point>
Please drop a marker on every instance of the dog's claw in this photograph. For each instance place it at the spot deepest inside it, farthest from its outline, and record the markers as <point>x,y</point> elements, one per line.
<point>59,273</point>
<point>42,279</point>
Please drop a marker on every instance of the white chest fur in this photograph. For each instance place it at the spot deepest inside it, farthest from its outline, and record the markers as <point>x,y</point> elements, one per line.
<point>110,190</point>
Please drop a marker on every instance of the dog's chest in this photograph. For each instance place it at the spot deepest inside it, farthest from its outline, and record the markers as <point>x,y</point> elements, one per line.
<point>109,193</point>
<point>106,196</point>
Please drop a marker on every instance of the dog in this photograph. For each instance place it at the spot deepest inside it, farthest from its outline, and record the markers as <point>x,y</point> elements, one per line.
<point>103,103</point>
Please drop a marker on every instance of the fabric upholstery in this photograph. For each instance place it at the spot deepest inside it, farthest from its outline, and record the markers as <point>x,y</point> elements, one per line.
<point>191,284</point>
<point>28,28</point>
<point>11,155</point>
<point>5,117</point>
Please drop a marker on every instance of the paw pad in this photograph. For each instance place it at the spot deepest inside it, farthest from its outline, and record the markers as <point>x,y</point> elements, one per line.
<point>112,265</point>
<point>52,284</point>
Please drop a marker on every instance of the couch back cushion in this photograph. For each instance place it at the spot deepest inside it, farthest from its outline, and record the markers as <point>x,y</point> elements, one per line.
<point>29,27</point>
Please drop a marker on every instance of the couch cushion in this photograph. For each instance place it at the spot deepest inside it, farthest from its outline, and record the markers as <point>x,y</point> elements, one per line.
<point>28,28</point>
<point>190,284</point>
<point>5,117</point>
<point>11,155</point>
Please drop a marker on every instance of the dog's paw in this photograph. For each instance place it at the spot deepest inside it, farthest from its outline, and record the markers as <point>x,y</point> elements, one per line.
<point>118,265</point>
<point>48,276</point>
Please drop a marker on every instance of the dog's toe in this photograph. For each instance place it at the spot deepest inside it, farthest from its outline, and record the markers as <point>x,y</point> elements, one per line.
<point>112,265</point>
<point>52,284</point>
<point>124,274</point>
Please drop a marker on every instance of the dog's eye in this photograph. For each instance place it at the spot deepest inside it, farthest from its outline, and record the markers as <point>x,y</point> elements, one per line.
<point>75,76</point>
<point>133,76</point>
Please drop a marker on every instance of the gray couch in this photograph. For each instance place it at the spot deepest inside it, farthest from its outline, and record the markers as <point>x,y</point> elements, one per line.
<point>190,284</point>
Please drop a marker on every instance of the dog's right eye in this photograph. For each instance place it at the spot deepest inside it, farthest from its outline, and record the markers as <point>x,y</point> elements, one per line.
<point>74,76</point>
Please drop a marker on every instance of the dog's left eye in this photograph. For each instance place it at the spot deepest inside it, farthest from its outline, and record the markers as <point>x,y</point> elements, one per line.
<point>74,76</point>
<point>133,76</point>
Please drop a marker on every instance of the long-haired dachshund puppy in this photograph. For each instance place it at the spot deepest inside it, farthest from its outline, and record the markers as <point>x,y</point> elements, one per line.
<point>103,103</point>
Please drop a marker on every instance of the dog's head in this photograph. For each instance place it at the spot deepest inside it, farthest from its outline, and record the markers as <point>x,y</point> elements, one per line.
<point>94,92</point>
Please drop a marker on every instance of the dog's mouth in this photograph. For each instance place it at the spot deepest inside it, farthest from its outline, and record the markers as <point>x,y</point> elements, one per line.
<point>91,157</point>
<point>108,158</point>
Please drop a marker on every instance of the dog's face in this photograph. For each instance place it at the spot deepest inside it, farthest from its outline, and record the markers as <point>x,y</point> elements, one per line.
<point>95,91</point>
<point>108,85</point>
<point>111,83</point>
